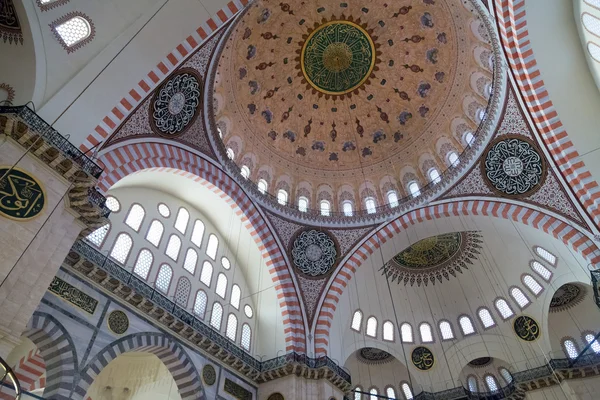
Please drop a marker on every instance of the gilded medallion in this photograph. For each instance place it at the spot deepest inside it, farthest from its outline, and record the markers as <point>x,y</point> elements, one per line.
<point>526,328</point>
<point>21,195</point>
<point>422,358</point>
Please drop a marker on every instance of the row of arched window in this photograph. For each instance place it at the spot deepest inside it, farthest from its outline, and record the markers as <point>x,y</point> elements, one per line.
<point>591,23</point>
<point>491,383</point>
<point>73,30</point>
<point>389,392</point>
<point>572,348</point>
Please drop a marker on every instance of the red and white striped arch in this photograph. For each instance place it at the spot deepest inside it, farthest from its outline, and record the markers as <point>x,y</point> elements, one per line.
<point>570,235</point>
<point>131,158</point>
<point>512,24</point>
<point>152,79</point>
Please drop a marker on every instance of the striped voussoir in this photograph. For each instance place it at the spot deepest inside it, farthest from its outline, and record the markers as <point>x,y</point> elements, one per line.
<point>58,354</point>
<point>137,157</point>
<point>29,371</point>
<point>519,53</point>
<point>570,235</point>
<point>153,78</point>
<point>166,349</point>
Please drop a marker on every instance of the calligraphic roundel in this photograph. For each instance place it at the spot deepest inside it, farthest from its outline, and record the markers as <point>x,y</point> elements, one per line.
<point>21,195</point>
<point>423,358</point>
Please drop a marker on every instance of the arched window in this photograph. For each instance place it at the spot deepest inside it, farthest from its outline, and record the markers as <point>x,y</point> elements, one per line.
<point>143,264</point>
<point>356,320</point>
<point>182,291</point>
<point>434,175</point>
<point>97,237</point>
<point>388,331</point>
<point>519,297</point>
<point>347,208</point>
<point>163,279</point>
<point>481,114</point>
<point>236,294</point>
<point>216,316</point>
<point>262,186</point>
<point>542,271</point>
<point>135,217</point>
<point>407,391</point>
<point>546,255</point>
<point>491,383</point>
<point>594,51</point>
<point>504,309</point>
<point>230,153</point>
<point>425,331</point>
<point>590,338</point>
<point>486,318</point>
<point>191,257</point>
<point>183,216</point>
<point>392,197</point>
<point>121,248</point>
<point>570,348</point>
<point>164,210</point>
<point>73,32</point>
<point>472,383</point>
<point>468,137</point>
<point>173,247</point>
<point>413,189</point>
<point>200,304</point>
<point>155,232</point>
<point>225,263</point>
<point>302,204</point>
<point>532,284</point>
<point>113,204</point>
<point>221,288</point>
<point>406,333</point>
<point>206,274</point>
<point>466,325</point>
<point>446,330</point>
<point>197,233</point>
<point>245,171</point>
<point>357,394</point>
<point>325,208</point>
<point>282,196</point>
<point>591,23</point>
<point>453,158</point>
<point>246,337</point>
<point>505,375</point>
<point>212,246</point>
<point>390,392</point>
<point>370,205</point>
<point>231,331</point>
<point>372,327</point>
<point>373,394</point>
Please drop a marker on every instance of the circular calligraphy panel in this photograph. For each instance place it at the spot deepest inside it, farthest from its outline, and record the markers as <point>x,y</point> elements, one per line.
<point>118,322</point>
<point>526,328</point>
<point>422,358</point>
<point>21,195</point>
<point>209,375</point>
<point>314,253</point>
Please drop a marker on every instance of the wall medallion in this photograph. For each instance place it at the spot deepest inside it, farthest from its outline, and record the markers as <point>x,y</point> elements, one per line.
<point>21,195</point>
<point>566,296</point>
<point>513,166</point>
<point>372,355</point>
<point>209,375</point>
<point>423,358</point>
<point>118,322</point>
<point>526,328</point>
<point>314,253</point>
<point>480,362</point>
<point>175,103</point>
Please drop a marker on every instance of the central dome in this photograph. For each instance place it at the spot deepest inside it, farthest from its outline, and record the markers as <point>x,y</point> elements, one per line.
<point>328,96</point>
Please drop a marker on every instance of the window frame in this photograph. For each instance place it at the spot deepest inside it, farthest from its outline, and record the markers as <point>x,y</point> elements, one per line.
<point>161,234</point>
<point>370,210</point>
<point>494,323</point>
<point>170,280</point>
<point>231,314</point>
<point>50,4</point>
<point>585,341</point>
<point>474,377</point>
<point>376,392</point>
<point>509,307</point>
<point>523,276</point>
<point>285,196</point>
<point>540,248</point>
<point>79,44</point>
<point>456,161</point>
<point>174,235</point>
<point>425,323</point>
<point>124,263</point>
<point>543,266</point>
<point>597,34</point>
<point>245,324</point>
<point>187,222</point>
<point>327,211</point>
<point>211,273</point>
<point>199,245</point>
<point>185,258</point>
<point>410,391</point>
<point>245,172</point>
<point>461,316</point>
<point>258,186</point>
<point>305,199</point>
<point>118,204</point>
<point>205,305</point>
<point>388,322</point>
<point>168,209</point>
<point>510,290</point>
<point>436,180</point>
<point>214,258</point>
<point>496,382</point>
<point>367,326</point>
<point>412,333</point>
<point>239,300</point>
<point>451,330</point>
<point>212,311</point>
<point>396,202</point>
<point>221,274</point>
<point>103,241</point>
<point>136,261</point>
<point>386,392</point>
<point>575,345</point>
<point>344,211</point>
<point>187,302</point>
<point>359,323</point>
<point>127,216</point>
<point>502,375</point>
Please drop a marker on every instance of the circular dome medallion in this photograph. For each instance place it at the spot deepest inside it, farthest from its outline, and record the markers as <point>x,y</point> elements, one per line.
<point>118,322</point>
<point>565,297</point>
<point>526,328</point>
<point>175,104</point>
<point>338,57</point>
<point>372,355</point>
<point>423,358</point>
<point>513,166</point>
<point>314,253</point>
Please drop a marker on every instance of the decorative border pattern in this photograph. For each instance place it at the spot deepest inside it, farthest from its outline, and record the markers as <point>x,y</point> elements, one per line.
<point>570,235</point>
<point>9,90</point>
<point>131,158</point>
<point>163,69</point>
<point>79,44</point>
<point>48,6</point>
<point>514,35</point>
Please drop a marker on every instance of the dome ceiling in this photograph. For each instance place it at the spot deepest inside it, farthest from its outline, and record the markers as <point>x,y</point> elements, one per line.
<point>336,93</point>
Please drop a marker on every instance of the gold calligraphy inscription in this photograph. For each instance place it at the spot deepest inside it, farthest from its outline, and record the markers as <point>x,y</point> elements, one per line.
<point>73,295</point>
<point>526,328</point>
<point>423,358</point>
<point>21,195</point>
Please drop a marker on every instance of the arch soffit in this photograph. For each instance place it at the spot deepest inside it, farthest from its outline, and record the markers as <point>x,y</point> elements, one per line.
<point>557,228</point>
<point>130,158</point>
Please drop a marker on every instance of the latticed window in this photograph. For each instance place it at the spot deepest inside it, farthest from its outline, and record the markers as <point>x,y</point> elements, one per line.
<point>282,196</point>
<point>225,263</point>
<point>356,320</point>
<point>595,345</point>
<point>446,330</point>
<point>155,232</point>
<point>173,247</point>
<point>143,264</point>
<point>248,311</point>
<point>163,280</point>
<point>262,186</point>
<point>453,158</point>
<point>388,331</point>
<point>121,248</point>
<point>518,296</point>
<point>370,205</point>
<point>532,284</point>
<point>392,197</point>
<point>591,23</point>
<point>230,153</point>
<point>245,171</point>
<point>231,327</point>
<point>191,257</point>
<point>97,237</point>
<point>570,348</point>
<point>221,288</point>
<point>372,327</point>
<point>302,204</point>
<point>504,309</point>
<point>206,274</point>
<point>113,204</point>
<point>197,233</point>
<point>486,318</point>
<point>434,175</point>
<point>546,255</point>
<point>425,331</point>
<point>164,210</point>
<point>73,31</point>
<point>407,391</point>
<point>472,383</point>
<point>347,208</point>
<point>466,325</point>
<point>505,375</point>
<point>182,291</point>
<point>236,294</point>
<point>468,137</point>
<point>181,222</point>
<point>373,394</point>
<point>216,316</point>
<point>542,271</point>
<point>135,217</point>
<point>325,208</point>
<point>357,394</point>
<point>413,189</point>
<point>491,383</point>
<point>594,51</point>
<point>212,247</point>
<point>200,303</point>
<point>406,333</point>
<point>246,337</point>
<point>390,392</point>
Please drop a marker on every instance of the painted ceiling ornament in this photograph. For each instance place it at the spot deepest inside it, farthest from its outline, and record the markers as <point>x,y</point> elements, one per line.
<point>526,328</point>
<point>434,258</point>
<point>567,296</point>
<point>314,253</point>
<point>480,362</point>
<point>514,166</point>
<point>372,355</point>
<point>422,358</point>
<point>175,103</point>
<point>10,27</point>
